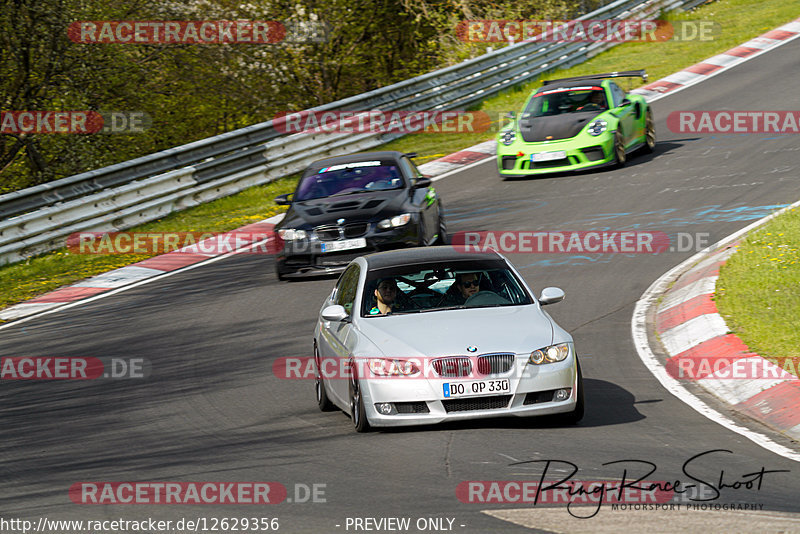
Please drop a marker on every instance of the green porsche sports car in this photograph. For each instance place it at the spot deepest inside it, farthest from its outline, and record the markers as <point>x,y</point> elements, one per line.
<point>576,123</point>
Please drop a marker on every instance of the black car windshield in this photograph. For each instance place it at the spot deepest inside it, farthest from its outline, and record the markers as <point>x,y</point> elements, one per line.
<point>441,286</point>
<point>349,178</point>
<point>566,100</point>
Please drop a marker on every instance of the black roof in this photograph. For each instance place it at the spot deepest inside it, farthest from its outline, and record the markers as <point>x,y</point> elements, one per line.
<point>555,84</point>
<point>565,82</point>
<point>361,156</point>
<point>409,256</point>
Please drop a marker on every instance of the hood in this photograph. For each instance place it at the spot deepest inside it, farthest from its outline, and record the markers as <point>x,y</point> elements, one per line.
<point>361,206</point>
<point>564,126</point>
<point>517,329</point>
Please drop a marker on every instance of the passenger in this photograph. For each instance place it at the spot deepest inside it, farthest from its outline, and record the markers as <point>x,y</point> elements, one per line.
<point>386,295</point>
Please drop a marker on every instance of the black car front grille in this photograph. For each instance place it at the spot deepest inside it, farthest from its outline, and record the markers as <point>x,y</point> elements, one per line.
<point>593,153</point>
<point>355,230</point>
<point>411,407</point>
<point>348,231</point>
<point>509,162</point>
<point>327,233</point>
<point>453,367</point>
<point>477,403</point>
<point>493,364</point>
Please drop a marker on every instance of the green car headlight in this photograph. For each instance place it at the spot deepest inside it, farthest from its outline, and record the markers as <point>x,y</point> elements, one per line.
<point>508,137</point>
<point>553,353</point>
<point>597,127</point>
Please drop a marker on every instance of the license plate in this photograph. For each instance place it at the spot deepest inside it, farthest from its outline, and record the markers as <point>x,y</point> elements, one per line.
<point>548,156</point>
<point>347,244</point>
<point>478,387</point>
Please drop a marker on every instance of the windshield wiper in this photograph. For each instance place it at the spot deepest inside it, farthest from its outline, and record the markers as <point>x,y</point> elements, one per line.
<point>345,193</point>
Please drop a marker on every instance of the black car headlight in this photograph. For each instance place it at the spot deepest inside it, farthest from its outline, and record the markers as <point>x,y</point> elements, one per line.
<point>508,137</point>
<point>553,353</point>
<point>291,234</point>
<point>394,222</point>
<point>597,127</point>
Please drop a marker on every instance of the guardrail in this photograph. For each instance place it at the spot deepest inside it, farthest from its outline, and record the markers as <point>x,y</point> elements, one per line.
<point>38,219</point>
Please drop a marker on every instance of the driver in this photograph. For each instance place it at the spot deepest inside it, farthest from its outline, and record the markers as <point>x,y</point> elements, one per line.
<point>467,284</point>
<point>596,101</point>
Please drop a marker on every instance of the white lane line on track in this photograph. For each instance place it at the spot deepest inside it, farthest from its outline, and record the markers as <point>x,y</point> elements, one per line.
<point>640,340</point>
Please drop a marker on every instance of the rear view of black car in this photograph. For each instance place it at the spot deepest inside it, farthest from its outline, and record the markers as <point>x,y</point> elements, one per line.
<point>347,206</point>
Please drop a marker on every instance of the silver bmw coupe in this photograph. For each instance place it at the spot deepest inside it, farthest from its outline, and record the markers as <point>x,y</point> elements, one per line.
<point>427,335</point>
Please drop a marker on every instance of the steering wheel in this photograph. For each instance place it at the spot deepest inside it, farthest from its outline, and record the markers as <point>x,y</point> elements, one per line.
<point>485,298</point>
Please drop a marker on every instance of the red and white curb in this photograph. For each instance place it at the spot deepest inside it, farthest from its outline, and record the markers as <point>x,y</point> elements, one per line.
<point>699,343</point>
<point>135,273</point>
<point>695,337</point>
<point>459,160</point>
<point>721,62</point>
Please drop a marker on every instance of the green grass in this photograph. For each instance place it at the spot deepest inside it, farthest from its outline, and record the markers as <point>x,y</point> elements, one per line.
<point>758,291</point>
<point>740,20</point>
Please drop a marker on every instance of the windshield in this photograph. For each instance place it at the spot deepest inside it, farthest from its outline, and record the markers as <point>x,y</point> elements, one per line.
<point>566,100</point>
<point>349,178</point>
<point>442,286</point>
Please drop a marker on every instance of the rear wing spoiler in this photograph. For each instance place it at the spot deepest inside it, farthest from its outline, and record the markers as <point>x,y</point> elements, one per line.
<point>622,74</point>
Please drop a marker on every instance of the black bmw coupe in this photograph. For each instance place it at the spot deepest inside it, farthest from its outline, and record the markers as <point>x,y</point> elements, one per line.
<point>347,206</point>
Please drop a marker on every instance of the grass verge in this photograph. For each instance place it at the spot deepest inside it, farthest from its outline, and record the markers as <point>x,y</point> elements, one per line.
<point>25,280</point>
<point>758,290</point>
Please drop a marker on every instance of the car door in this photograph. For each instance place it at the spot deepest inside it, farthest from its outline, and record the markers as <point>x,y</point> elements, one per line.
<point>336,334</point>
<point>423,199</point>
<point>625,114</point>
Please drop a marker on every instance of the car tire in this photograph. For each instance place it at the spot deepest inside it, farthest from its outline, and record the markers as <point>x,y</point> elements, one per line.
<point>441,239</point>
<point>576,415</point>
<point>619,150</point>
<point>649,133</point>
<point>357,412</point>
<point>323,401</point>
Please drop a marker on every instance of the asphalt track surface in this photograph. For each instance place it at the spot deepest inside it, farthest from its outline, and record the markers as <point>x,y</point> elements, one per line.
<point>213,411</point>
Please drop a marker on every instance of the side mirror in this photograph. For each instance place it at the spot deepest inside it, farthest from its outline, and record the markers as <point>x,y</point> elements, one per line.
<point>422,182</point>
<point>334,313</point>
<point>283,200</point>
<point>625,103</point>
<point>511,115</point>
<point>551,295</point>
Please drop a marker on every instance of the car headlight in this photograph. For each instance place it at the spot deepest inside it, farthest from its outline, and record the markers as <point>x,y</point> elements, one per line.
<point>597,127</point>
<point>290,234</point>
<point>508,137</point>
<point>553,353</point>
<point>394,222</point>
<point>383,367</point>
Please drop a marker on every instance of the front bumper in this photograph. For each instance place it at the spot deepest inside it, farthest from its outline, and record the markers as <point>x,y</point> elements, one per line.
<point>301,259</point>
<point>595,152</point>
<point>530,395</point>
